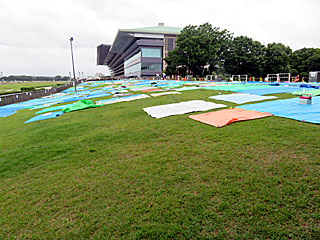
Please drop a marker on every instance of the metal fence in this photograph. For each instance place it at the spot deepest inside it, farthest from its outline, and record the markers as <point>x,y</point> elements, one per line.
<point>24,96</point>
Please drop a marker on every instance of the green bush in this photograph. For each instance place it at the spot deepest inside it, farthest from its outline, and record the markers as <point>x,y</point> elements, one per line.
<point>27,89</point>
<point>304,74</point>
<point>9,92</point>
<point>294,72</point>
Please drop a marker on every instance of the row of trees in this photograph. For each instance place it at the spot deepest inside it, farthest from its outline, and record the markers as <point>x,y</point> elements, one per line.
<point>201,50</point>
<point>34,78</point>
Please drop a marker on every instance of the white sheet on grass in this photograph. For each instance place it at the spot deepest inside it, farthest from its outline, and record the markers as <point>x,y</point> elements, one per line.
<point>121,91</point>
<point>187,88</point>
<point>181,108</point>
<point>141,89</point>
<point>163,93</point>
<point>122,99</point>
<point>240,98</point>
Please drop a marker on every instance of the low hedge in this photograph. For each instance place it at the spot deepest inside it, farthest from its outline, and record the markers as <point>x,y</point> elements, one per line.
<point>27,89</point>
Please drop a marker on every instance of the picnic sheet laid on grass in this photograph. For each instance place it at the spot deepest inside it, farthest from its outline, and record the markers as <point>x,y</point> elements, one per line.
<point>271,90</point>
<point>187,88</point>
<point>8,110</point>
<point>289,108</point>
<point>122,99</point>
<point>226,116</point>
<point>241,98</point>
<point>238,87</point>
<point>313,92</point>
<point>141,88</point>
<point>163,93</point>
<point>45,116</point>
<point>82,104</point>
<point>50,109</point>
<point>181,108</point>
<point>153,90</point>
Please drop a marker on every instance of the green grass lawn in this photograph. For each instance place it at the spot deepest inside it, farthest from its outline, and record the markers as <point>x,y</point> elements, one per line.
<point>15,87</point>
<point>113,172</point>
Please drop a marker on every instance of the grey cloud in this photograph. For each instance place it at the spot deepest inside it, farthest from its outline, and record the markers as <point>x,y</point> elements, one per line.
<point>35,34</point>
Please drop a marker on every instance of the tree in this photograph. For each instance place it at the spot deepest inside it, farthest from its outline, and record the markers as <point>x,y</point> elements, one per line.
<point>172,64</point>
<point>204,49</point>
<point>197,49</point>
<point>277,58</point>
<point>244,56</point>
<point>304,75</point>
<point>294,72</point>
<point>305,60</point>
<point>313,62</point>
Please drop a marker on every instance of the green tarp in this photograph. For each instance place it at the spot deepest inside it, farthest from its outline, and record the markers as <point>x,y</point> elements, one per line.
<point>314,92</point>
<point>82,104</point>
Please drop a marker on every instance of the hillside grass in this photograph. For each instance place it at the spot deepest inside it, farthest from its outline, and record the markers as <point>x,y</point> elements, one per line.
<point>113,172</point>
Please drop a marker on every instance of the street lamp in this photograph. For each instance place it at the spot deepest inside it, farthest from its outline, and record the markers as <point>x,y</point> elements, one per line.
<point>74,73</point>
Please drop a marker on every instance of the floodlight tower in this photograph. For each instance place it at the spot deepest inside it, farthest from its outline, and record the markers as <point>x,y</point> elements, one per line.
<point>74,73</point>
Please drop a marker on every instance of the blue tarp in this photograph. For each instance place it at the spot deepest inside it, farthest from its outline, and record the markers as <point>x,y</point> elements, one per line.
<point>45,116</point>
<point>7,111</point>
<point>97,95</point>
<point>98,89</point>
<point>270,90</point>
<point>289,108</point>
<point>45,102</point>
<point>50,109</point>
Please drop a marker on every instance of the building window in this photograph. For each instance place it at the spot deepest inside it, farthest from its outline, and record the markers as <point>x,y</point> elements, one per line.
<point>133,60</point>
<point>170,46</point>
<point>151,52</point>
<point>135,69</point>
<point>151,66</point>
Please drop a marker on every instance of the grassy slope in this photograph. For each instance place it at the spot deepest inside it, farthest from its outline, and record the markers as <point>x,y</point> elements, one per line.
<point>17,86</point>
<point>115,172</point>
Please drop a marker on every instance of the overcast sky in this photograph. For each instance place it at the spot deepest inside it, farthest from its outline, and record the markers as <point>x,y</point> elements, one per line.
<point>34,38</point>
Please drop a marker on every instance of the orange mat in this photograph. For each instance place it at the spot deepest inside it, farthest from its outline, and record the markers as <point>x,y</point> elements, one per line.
<point>226,116</point>
<point>152,90</point>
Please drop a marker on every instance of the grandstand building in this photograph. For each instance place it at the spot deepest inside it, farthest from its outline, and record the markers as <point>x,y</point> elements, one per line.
<point>138,52</point>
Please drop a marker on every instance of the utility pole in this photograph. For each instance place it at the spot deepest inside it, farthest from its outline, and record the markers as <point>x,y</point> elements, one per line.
<point>74,73</point>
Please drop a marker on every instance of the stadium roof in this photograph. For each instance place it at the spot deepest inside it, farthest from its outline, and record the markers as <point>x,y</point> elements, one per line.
<point>129,40</point>
<point>157,29</point>
<point>124,36</point>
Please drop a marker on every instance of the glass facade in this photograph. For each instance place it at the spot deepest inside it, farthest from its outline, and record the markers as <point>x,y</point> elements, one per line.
<point>133,60</point>
<point>133,70</point>
<point>151,52</point>
<point>132,66</point>
<point>139,63</point>
<point>151,66</point>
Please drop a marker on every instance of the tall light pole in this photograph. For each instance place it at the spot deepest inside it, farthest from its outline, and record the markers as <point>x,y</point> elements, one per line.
<point>74,73</point>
